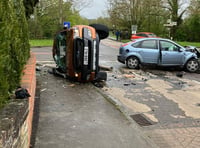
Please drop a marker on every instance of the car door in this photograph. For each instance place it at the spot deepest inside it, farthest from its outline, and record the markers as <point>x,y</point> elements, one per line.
<point>148,50</point>
<point>170,54</point>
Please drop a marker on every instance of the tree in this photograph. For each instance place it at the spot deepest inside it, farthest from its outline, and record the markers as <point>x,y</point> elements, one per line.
<point>193,21</point>
<point>146,14</point>
<point>29,6</point>
<point>50,15</point>
<point>176,9</point>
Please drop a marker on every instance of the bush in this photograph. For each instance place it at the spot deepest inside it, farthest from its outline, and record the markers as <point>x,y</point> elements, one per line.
<point>14,46</point>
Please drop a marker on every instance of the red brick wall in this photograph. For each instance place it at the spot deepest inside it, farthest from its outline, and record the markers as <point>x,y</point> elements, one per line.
<point>29,82</point>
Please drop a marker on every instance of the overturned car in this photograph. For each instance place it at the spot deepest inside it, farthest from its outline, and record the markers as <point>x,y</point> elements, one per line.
<point>76,52</point>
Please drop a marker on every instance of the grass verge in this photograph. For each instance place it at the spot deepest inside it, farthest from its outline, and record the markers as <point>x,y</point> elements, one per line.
<point>41,42</point>
<point>49,42</point>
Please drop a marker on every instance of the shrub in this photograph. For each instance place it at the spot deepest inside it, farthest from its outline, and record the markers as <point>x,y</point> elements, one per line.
<point>14,46</point>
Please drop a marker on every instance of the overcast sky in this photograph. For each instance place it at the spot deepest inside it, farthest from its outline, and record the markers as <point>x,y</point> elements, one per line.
<point>97,9</point>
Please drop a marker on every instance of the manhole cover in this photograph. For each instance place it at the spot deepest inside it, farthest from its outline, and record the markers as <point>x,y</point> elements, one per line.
<point>141,120</point>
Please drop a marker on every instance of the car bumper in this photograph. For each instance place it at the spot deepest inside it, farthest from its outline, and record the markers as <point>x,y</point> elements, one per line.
<point>121,59</point>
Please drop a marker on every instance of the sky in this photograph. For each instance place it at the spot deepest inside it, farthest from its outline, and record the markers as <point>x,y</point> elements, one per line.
<point>97,9</point>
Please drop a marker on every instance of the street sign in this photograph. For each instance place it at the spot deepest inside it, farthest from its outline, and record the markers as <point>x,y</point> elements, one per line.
<point>171,24</point>
<point>174,23</point>
<point>66,24</point>
<point>134,29</point>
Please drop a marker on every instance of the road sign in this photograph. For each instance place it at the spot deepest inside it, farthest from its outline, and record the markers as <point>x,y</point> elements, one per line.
<point>134,29</point>
<point>171,24</point>
<point>66,24</point>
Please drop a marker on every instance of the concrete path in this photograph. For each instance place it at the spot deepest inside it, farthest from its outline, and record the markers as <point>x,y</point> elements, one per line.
<point>74,115</point>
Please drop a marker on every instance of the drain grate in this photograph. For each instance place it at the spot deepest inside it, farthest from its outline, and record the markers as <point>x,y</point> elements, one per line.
<point>141,120</point>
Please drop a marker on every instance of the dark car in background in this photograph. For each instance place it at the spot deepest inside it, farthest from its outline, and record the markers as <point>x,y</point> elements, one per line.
<point>140,35</point>
<point>157,51</point>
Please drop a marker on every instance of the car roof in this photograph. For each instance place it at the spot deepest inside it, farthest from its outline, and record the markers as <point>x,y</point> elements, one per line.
<point>152,38</point>
<point>163,39</point>
<point>146,32</point>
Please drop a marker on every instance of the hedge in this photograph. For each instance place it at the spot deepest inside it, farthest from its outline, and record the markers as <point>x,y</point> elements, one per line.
<point>14,46</point>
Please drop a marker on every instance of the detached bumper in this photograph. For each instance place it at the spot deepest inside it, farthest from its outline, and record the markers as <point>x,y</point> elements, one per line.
<point>121,59</point>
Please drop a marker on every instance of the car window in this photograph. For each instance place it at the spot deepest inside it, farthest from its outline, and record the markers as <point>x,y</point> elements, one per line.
<point>136,45</point>
<point>152,35</point>
<point>150,44</point>
<point>141,34</point>
<point>168,46</point>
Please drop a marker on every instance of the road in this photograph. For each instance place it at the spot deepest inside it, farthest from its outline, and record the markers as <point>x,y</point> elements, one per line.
<point>73,115</point>
<point>170,103</point>
<point>165,107</point>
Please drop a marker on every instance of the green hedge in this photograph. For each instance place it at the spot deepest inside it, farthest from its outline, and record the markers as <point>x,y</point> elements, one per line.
<point>14,46</point>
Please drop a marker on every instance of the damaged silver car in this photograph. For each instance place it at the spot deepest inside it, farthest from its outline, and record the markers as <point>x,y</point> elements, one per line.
<point>157,51</point>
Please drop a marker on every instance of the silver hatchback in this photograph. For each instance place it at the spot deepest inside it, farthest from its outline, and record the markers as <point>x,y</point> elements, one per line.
<point>157,51</point>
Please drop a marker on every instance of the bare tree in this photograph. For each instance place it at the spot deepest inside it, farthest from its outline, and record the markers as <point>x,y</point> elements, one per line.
<point>146,14</point>
<point>176,9</point>
<point>80,4</point>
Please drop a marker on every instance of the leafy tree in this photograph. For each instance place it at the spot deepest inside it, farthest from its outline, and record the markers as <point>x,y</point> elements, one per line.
<point>146,14</point>
<point>176,11</point>
<point>29,6</point>
<point>14,46</point>
<point>50,15</point>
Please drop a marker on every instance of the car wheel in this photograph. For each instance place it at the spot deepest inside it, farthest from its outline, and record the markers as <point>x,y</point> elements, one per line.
<point>102,30</point>
<point>192,65</point>
<point>101,76</point>
<point>132,62</point>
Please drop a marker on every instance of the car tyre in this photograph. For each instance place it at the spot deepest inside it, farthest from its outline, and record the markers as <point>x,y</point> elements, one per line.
<point>102,30</point>
<point>133,62</point>
<point>101,76</point>
<point>192,65</point>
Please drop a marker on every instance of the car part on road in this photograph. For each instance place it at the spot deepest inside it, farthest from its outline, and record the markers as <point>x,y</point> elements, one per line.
<point>76,52</point>
<point>105,68</point>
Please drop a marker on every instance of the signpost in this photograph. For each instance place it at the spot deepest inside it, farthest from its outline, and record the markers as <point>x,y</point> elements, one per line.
<point>170,24</point>
<point>134,29</point>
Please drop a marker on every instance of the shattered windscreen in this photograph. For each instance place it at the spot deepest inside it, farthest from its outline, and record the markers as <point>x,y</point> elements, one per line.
<point>60,56</point>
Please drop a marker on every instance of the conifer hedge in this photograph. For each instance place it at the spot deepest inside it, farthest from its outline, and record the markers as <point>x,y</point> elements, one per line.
<point>14,46</point>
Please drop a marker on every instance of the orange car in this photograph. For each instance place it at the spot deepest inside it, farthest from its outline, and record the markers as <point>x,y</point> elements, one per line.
<point>143,35</point>
<point>76,52</point>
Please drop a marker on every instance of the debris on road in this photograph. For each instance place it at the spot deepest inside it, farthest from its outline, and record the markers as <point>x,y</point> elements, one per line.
<point>105,68</point>
<point>43,90</point>
<point>180,74</point>
<point>129,75</point>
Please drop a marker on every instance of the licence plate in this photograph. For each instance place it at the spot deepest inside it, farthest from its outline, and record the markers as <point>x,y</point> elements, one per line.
<point>85,60</point>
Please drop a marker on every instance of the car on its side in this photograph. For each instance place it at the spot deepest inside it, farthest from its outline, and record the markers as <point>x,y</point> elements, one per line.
<point>157,51</point>
<point>140,35</point>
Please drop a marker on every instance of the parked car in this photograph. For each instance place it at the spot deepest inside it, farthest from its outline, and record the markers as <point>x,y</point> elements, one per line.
<point>157,51</point>
<point>143,35</point>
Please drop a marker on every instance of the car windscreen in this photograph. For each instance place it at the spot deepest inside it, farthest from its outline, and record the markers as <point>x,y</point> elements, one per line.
<point>152,35</point>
